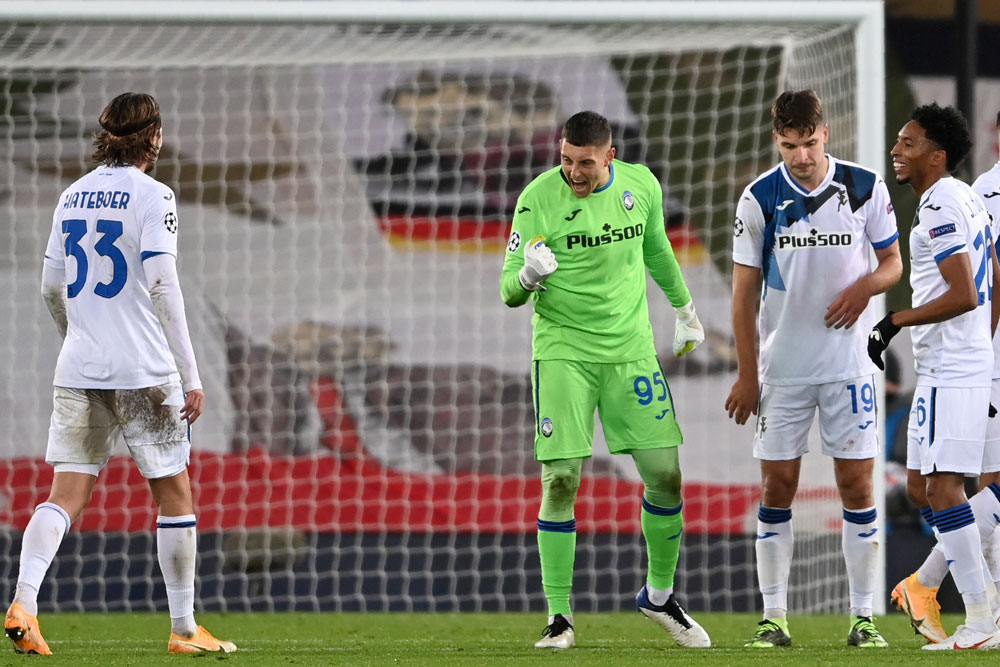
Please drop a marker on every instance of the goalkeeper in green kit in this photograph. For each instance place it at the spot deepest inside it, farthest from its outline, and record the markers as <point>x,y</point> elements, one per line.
<point>583,236</point>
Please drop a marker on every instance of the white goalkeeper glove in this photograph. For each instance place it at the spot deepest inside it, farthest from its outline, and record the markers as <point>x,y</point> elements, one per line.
<point>688,332</point>
<point>539,264</point>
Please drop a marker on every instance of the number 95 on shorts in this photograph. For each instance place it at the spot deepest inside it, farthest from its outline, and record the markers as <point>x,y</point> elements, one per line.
<point>632,399</point>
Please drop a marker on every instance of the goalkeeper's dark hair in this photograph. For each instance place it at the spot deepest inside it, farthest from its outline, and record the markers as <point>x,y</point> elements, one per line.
<point>587,128</point>
<point>799,110</point>
<point>946,127</point>
<point>129,124</point>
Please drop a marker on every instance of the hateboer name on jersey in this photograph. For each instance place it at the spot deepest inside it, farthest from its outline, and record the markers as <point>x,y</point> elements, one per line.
<point>100,199</point>
<point>610,236</point>
<point>813,239</point>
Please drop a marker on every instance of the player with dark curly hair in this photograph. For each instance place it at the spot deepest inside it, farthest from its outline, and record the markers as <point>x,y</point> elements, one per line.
<point>952,273</point>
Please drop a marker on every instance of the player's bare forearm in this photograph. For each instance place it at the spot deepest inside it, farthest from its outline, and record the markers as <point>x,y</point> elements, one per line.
<point>742,399</point>
<point>960,297</point>
<point>849,304</point>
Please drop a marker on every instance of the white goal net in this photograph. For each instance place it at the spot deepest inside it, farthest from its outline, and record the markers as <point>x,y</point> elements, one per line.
<point>344,196</point>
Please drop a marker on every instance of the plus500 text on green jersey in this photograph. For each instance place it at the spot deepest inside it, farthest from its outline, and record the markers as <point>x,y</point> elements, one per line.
<point>594,307</point>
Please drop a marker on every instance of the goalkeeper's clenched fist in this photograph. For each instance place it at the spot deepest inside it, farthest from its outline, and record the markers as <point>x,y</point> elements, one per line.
<point>688,333</point>
<point>539,264</point>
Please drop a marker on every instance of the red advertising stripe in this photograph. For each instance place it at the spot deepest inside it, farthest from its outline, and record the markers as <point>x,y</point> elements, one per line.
<point>324,492</point>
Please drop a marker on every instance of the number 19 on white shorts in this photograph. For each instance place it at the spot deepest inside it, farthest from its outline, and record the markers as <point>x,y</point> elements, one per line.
<point>847,419</point>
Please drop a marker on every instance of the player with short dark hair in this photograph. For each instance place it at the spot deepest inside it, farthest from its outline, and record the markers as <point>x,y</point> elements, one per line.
<point>952,276</point>
<point>807,227</point>
<point>798,110</point>
<point>126,365</point>
<point>602,219</point>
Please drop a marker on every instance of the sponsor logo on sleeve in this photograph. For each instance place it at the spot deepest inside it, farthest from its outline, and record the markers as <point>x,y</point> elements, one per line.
<point>942,230</point>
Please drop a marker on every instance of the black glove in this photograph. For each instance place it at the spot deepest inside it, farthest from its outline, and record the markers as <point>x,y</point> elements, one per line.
<point>993,411</point>
<point>878,339</point>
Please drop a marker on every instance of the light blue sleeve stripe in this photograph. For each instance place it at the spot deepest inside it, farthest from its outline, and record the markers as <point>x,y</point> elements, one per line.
<point>888,242</point>
<point>947,253</point>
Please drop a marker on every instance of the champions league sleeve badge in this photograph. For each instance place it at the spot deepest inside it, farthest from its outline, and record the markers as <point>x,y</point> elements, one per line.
<point>514,242</point>
<point>628,200</point>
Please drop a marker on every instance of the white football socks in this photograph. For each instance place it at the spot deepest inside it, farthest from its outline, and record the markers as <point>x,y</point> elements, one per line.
<point>935,567</point>
<point>861,544</point>
<point>176,551</point>
<point>774,545</point>
<point>45,532</point>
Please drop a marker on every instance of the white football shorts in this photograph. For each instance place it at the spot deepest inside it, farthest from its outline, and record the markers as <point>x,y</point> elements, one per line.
<point>86,422</point>
<point>947,429</point>
<point>846,420</point>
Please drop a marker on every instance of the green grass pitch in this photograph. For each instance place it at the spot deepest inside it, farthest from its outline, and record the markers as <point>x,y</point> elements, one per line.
<point>468,639</point>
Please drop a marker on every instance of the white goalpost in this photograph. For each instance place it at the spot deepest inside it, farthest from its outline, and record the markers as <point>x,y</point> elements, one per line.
<point>345,175</point>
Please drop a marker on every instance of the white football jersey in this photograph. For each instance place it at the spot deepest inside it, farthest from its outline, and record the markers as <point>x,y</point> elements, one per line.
<point>951,219</point>
<point>104,226</point>
<point>987,186</point>
<point>809,247</point>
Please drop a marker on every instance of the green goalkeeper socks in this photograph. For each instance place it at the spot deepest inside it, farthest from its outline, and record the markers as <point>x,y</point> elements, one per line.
<point>557,548</point>
<point>662,528</point>
<point>557,531</point>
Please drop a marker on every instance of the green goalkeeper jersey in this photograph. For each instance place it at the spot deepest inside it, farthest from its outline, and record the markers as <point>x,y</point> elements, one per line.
<point>594,306</point>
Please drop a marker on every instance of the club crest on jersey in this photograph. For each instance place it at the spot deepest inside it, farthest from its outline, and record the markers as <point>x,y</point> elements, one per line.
<point>547,427</point>
<point>170,222</point>
<point>628,200</point>
<point>942,230</point>
<point>514,242</point>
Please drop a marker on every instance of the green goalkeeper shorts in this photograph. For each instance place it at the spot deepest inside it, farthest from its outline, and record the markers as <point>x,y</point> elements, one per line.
<point>632,399</point>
